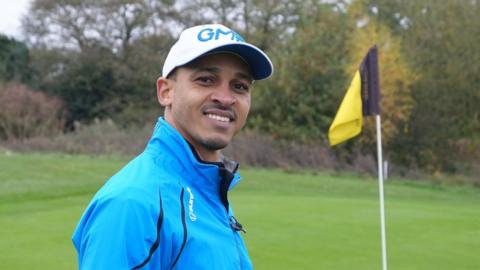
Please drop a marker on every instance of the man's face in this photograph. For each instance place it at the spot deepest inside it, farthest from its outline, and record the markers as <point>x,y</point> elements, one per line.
<point>210,101</point>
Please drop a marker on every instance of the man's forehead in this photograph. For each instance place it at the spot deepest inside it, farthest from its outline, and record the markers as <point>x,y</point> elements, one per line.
<point>215,62</point>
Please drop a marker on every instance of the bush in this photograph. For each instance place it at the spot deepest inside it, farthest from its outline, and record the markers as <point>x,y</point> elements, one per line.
<point>260,150</point>
<point>250,148</point>
<point>101,137</point>
<point>25,113</point>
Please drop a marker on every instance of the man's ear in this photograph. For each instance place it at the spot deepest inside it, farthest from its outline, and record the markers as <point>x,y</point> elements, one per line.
<point>164,91</point>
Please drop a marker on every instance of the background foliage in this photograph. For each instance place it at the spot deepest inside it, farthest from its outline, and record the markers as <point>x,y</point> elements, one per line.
<point>102,58</point>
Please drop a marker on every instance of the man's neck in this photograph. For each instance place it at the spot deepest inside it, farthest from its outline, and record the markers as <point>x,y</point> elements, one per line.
<point>207,155</point>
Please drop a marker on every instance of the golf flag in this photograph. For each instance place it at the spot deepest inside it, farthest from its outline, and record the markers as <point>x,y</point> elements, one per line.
<point>348,121</point>
<point>362,98</point>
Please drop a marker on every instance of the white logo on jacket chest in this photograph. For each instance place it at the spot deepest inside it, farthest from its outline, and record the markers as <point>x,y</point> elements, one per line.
<point>192,215</point>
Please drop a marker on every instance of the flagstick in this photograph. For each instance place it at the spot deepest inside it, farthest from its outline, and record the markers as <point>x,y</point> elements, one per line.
<point>380,188</point>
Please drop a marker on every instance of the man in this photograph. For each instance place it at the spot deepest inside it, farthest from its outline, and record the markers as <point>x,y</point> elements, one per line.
<point>168,208</point>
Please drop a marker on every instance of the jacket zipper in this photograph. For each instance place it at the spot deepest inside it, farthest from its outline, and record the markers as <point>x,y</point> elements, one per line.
<point>184,224</point>
<point>226,180</point>
<point>236,226</point>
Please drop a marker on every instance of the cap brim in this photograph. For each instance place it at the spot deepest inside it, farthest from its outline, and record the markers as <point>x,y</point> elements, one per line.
<point>258,61</point>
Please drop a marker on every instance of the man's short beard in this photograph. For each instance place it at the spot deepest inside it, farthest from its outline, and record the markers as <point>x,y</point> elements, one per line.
<point>212,144</point>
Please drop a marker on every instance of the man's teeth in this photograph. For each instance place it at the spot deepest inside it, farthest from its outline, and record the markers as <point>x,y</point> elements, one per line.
<point>218,117</point>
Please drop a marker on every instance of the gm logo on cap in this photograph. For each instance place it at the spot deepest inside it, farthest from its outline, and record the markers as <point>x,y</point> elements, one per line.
<point>208,34</point>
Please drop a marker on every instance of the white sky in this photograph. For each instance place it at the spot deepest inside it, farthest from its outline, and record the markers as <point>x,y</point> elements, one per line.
<point>11,12</point>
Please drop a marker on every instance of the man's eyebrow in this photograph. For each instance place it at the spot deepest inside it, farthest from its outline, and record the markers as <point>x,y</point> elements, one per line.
<point>245,76</point>
<point>208,69</point>
<point>198,69</point>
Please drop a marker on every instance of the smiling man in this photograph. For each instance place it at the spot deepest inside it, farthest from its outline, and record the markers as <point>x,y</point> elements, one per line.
<point>168,208</point>
<point>207,101</point>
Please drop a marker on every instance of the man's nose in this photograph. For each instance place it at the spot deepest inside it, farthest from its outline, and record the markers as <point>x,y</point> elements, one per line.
<point>223,95</point>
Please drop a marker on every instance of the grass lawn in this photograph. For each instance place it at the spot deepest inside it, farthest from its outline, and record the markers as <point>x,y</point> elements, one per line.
<point>294,220</point>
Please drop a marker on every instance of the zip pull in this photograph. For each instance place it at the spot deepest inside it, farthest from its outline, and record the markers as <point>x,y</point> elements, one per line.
<point>236,225</point>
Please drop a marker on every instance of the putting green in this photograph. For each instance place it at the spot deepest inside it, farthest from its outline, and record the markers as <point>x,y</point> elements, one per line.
<point>293,220</point>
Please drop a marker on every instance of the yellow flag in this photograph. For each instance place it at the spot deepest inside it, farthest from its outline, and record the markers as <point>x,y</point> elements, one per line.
<point>348,121</point>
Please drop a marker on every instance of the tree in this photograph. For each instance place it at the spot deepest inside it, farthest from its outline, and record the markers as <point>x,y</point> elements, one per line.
<point>440,41</point>
<point>14,60</point>
<point>264,23</point>
<point>396,76</point>
<point>80,25</point>
<point>298,101</point>
<point>101,57</point>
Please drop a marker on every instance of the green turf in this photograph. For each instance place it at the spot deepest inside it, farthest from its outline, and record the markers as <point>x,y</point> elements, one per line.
<point>294,220</point>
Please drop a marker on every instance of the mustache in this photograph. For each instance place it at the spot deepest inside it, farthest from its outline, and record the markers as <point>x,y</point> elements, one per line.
<point>220,109</point>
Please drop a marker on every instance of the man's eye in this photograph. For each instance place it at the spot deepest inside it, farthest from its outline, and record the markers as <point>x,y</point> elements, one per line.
<point>241,87</point>
<point>205,80</point>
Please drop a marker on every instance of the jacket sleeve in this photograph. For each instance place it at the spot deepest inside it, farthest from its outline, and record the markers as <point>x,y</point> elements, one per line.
<point>117,233</point>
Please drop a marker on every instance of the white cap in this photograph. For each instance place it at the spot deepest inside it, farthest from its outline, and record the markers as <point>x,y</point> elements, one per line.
<point>202,39</point>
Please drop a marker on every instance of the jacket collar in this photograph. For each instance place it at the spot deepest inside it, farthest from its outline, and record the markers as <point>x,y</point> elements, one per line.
<point>167,143</point>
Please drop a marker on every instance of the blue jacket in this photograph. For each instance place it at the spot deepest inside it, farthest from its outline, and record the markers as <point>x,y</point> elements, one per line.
<point>166,209</point>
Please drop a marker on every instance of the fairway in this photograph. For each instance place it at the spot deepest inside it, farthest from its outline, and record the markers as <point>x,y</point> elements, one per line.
<point>293,220</point>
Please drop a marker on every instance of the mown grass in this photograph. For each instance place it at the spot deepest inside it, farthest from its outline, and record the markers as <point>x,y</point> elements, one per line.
<point>294,220</point>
